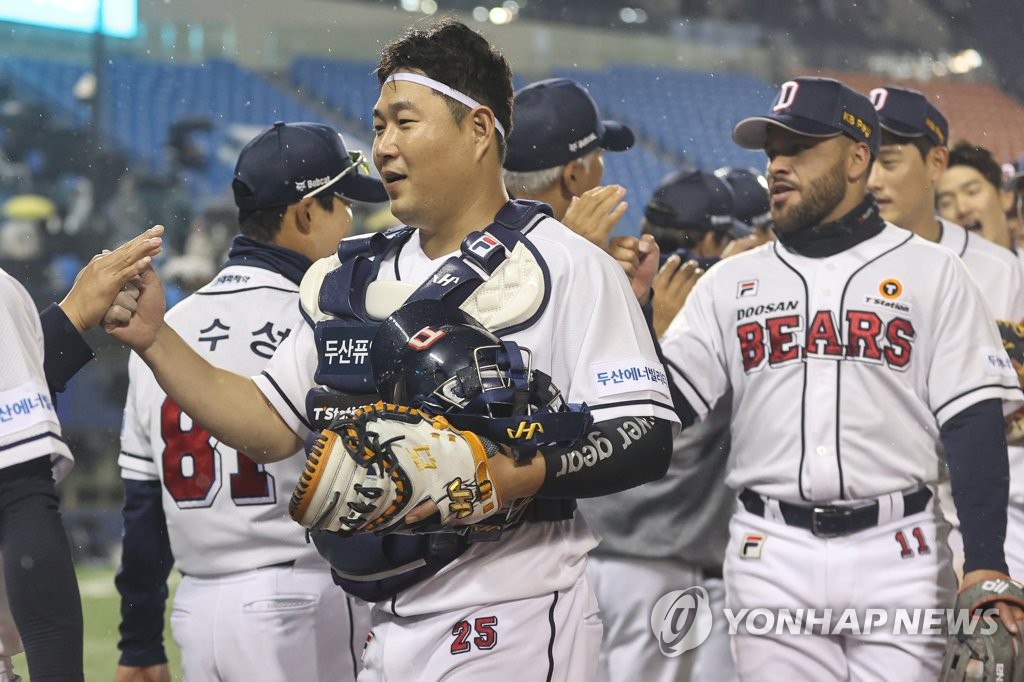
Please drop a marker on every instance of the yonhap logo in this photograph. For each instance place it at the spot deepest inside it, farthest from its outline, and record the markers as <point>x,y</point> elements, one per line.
<point>681,620</point>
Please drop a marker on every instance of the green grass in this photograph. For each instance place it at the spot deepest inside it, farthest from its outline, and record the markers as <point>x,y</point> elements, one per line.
<point>100,608</point>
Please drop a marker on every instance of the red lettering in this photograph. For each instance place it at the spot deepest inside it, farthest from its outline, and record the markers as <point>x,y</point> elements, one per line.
<point>899,334</point>
<point>864,330</point>
<point>751,337</point>
<point>822,338</point>
<point>782,338</point>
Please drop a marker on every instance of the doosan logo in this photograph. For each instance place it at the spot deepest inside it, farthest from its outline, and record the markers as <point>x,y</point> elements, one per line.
<point>681,620</point>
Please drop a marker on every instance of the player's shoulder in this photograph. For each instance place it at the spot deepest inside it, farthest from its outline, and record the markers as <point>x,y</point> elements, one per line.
<point>908,246</point>
<point>744,264</point>
<point>557,242</point>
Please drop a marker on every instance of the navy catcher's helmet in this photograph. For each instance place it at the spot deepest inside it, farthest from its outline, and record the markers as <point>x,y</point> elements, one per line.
<point>438,359</point>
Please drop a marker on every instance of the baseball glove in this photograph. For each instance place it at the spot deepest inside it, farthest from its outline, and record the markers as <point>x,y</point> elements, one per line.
<point>1013,341</point>
<point>376,464</point>
<point>987,651</point>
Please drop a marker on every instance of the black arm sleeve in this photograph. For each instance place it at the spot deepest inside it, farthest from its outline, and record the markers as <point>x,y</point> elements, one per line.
<point>975,444</point>
<point>617,454</point>
<point>142,577</point>
<point>65,351</point>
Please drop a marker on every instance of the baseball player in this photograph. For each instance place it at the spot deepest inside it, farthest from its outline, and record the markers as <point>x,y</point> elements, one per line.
<point>458,608</point>
<point>912,159</point>
<point>833,341</point>
<point>255,601</point>
<point>970,193</point>
<point>40,608</point>
<point>556,155</point>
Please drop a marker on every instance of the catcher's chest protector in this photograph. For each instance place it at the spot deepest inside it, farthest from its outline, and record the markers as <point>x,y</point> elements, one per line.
<point>344,334</point>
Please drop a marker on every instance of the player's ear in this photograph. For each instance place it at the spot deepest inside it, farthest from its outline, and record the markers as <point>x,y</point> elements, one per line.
<point>858,161</point>
<point>482,122</point>
<point>935,162</point>
<point>304,214</point>
<point>572,175</point>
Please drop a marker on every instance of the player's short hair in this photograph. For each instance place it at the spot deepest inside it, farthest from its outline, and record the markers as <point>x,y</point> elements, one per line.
<point>263,224</point>
<point>456,55</point>
<point>921,143</point>
<point>534,183</point>
<point>980,159</point>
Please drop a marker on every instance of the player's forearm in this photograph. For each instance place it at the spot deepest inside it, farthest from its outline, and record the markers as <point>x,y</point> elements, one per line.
<point>980,473</point>
<point>228,405</point>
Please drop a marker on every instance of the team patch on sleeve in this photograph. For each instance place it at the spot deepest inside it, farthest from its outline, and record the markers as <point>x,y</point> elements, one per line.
<point>627,376</point>
<point>25,406</point>
<point>996,361</point>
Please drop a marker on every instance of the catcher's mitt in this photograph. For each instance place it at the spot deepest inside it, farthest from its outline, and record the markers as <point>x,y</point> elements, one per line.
<point>1013,341</point>
<point>376,464</point>
<point>988,652</point>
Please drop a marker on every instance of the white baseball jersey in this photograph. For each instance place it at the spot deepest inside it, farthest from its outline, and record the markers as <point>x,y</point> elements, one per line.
<point>843,368</point>
<point>224,512</point>
<point>997,272</point>
<point>592,340</point>
<point>28,420</point>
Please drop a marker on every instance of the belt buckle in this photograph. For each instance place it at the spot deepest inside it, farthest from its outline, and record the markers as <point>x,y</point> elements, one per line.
<point>815,515</point>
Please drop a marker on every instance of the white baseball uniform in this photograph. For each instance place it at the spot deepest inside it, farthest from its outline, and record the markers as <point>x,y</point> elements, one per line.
<point>1000,278</point>
<point>843,370</point>
<point>29,427</point>
<point>521,606</point>
<point>256,601</point>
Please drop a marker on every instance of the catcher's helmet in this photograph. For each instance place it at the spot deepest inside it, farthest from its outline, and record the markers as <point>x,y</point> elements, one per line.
<point>437,358</point>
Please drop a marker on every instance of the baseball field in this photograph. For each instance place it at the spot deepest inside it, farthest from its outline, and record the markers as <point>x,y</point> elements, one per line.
<point>100,608</point>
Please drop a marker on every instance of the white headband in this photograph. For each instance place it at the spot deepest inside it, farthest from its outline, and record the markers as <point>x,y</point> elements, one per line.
<point>443,89</point>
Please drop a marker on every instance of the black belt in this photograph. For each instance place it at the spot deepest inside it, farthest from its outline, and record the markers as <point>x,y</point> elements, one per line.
<point>829,521</point>
<point>283,564</point>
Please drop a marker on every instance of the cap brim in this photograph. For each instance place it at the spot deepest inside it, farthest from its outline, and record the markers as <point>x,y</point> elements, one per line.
<point>361,188</point>
<point>752,133</point>
<point>739,230</point>
<point>900,129</point>
<point>617,136</point>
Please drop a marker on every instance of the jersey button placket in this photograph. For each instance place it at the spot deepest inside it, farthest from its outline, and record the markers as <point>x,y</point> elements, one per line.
<point>820,406</point>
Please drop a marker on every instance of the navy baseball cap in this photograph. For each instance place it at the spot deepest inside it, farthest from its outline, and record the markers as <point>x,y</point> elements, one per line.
<point>750,194</point>
<point>816,107</point>
<point>291,161</point>
<point>908,113</point>
<point>693,199</point>
<point>555,121</point>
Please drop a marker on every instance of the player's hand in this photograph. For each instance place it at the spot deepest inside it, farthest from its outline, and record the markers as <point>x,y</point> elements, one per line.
<point>152,673</point>
<point>747,243</point>
<point>596,212</point>
<point>516,481</point>
<point>139,331</point>
<point>639,259</point>
<point>1009,614</point>
<point>100,281</point>
<point>673,284</point>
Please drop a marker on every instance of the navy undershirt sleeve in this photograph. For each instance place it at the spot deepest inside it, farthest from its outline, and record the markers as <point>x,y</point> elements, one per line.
<point>65,351</point>
<point>141,579</point>
<point>975,444</point>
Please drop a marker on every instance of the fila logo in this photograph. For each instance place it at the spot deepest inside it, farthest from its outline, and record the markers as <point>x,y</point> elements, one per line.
<point>484,244</point>
<point>752,546</point>
<point>444,279</point>
<point>878,97</point>
<point>746,288</point>
<point>425,338</point>
<point>525,430</point>
<point>787,95</point>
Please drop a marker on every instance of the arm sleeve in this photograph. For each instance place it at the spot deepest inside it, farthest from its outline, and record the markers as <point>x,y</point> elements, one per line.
<point>969,364</point>
<point>979,470</point>
<point>616,455</point>
<point>66,349</point>
<point>136,458</point>
<point>288,376</point>
<point>141,579</point>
